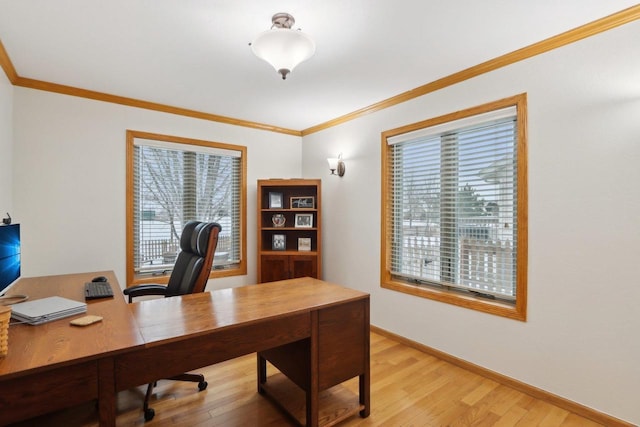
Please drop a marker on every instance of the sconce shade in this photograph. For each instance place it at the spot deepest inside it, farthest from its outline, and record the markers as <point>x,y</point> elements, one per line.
<point>283,47</point>
<point>336,164</point>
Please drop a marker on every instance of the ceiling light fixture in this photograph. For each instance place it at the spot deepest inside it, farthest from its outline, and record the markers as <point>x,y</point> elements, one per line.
<point>283,47</point>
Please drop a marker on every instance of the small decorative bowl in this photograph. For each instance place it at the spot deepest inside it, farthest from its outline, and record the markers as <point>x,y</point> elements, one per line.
<point>278,220</point>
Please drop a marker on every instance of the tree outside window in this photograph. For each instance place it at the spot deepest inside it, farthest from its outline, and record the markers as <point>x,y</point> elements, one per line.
<point>173,181</point>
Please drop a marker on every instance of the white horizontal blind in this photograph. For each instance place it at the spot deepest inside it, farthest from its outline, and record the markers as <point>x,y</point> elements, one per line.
<point>455,125</point>
<point>186,147</point>
<point>454,205</point>
<point>177,183</point>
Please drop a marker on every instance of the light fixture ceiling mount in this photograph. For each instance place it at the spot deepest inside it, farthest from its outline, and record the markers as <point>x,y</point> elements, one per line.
<point>283,47</point>
<point>282,20</point>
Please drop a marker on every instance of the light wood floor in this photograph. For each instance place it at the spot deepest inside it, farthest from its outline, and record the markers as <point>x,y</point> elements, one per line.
<point>408,388</point>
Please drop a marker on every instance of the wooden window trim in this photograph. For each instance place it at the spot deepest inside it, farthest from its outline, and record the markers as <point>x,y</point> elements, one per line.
<point>241,268</point>
<point>516,311</point>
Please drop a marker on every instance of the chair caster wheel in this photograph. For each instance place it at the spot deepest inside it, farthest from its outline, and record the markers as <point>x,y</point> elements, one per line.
<point>202,385</point>
<point>149,413</point>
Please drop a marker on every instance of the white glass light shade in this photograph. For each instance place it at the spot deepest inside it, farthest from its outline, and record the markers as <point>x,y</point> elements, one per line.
<point>283,48</point>
<point>336,164</point>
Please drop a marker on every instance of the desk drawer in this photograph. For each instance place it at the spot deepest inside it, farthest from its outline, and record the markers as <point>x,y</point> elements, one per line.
<point>36,394</point>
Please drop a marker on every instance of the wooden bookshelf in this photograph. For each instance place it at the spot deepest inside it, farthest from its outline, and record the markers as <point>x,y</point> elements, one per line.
<point>289,229</point>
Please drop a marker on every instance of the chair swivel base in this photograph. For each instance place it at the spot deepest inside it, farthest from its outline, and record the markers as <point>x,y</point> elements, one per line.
<point>149,413</point>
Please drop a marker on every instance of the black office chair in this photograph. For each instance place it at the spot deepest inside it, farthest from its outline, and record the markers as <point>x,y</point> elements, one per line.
<point>190,274</point>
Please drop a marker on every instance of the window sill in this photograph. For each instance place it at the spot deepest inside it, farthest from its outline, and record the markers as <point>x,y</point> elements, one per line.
<point>138,279</point>
<point>512,311</point>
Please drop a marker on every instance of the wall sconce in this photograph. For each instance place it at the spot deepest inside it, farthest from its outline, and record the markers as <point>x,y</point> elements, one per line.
<point>336,164</point>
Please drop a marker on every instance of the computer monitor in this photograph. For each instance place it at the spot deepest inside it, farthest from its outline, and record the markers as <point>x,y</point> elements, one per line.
<point>9,256</point>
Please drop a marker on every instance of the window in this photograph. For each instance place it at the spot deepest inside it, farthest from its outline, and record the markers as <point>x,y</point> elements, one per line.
<point>454,208</point>
<point>172,180</point>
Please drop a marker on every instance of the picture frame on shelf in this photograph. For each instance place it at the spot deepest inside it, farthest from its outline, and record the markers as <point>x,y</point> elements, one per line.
<point>275,200</point>
<point>279,242</point>
<point>304,244</point>
<point>304,221</point>
<point>302,202</point>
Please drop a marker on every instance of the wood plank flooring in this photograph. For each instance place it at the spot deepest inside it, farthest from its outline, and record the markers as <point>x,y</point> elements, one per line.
<point>408,388</point>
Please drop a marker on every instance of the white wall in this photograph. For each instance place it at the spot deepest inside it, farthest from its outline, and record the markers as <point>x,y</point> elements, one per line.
<point>6,146</point>
<point>581,340</point>
<point>69,178</point>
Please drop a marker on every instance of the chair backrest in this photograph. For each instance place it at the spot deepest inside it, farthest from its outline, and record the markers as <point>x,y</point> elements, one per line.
<point>197,246</point>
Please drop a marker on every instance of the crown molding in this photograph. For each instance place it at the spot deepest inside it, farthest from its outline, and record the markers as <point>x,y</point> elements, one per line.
<point>17,80</point>
<point>131,102</point>
<point>596,27</point>
<point>7,65</point>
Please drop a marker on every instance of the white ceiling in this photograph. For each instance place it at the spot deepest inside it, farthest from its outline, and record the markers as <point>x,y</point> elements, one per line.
<point>194,54</point>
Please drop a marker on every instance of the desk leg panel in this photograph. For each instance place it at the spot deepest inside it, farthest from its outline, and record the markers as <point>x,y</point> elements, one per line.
<point>365,378</point>
<point>343,342</point>
<point>337,350</point>
<point>186,353</point>
<point>46,391</point>
<point>107,393</point>
<point>341,346</point>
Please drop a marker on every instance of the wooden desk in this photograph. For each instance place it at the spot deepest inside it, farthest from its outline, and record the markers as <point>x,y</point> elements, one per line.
<point>55,365</point>
<point>327,325</point>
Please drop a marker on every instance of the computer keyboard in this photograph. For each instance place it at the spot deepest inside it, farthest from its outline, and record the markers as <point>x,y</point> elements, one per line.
<point>93,290</point>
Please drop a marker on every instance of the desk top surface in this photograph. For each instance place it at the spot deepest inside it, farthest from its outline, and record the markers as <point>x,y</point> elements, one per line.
<point>126,326</point>
<point>195,314</point>
<point>57,342</point>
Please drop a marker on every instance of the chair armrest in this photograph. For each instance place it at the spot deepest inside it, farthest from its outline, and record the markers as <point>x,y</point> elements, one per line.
<point>146,289</point>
